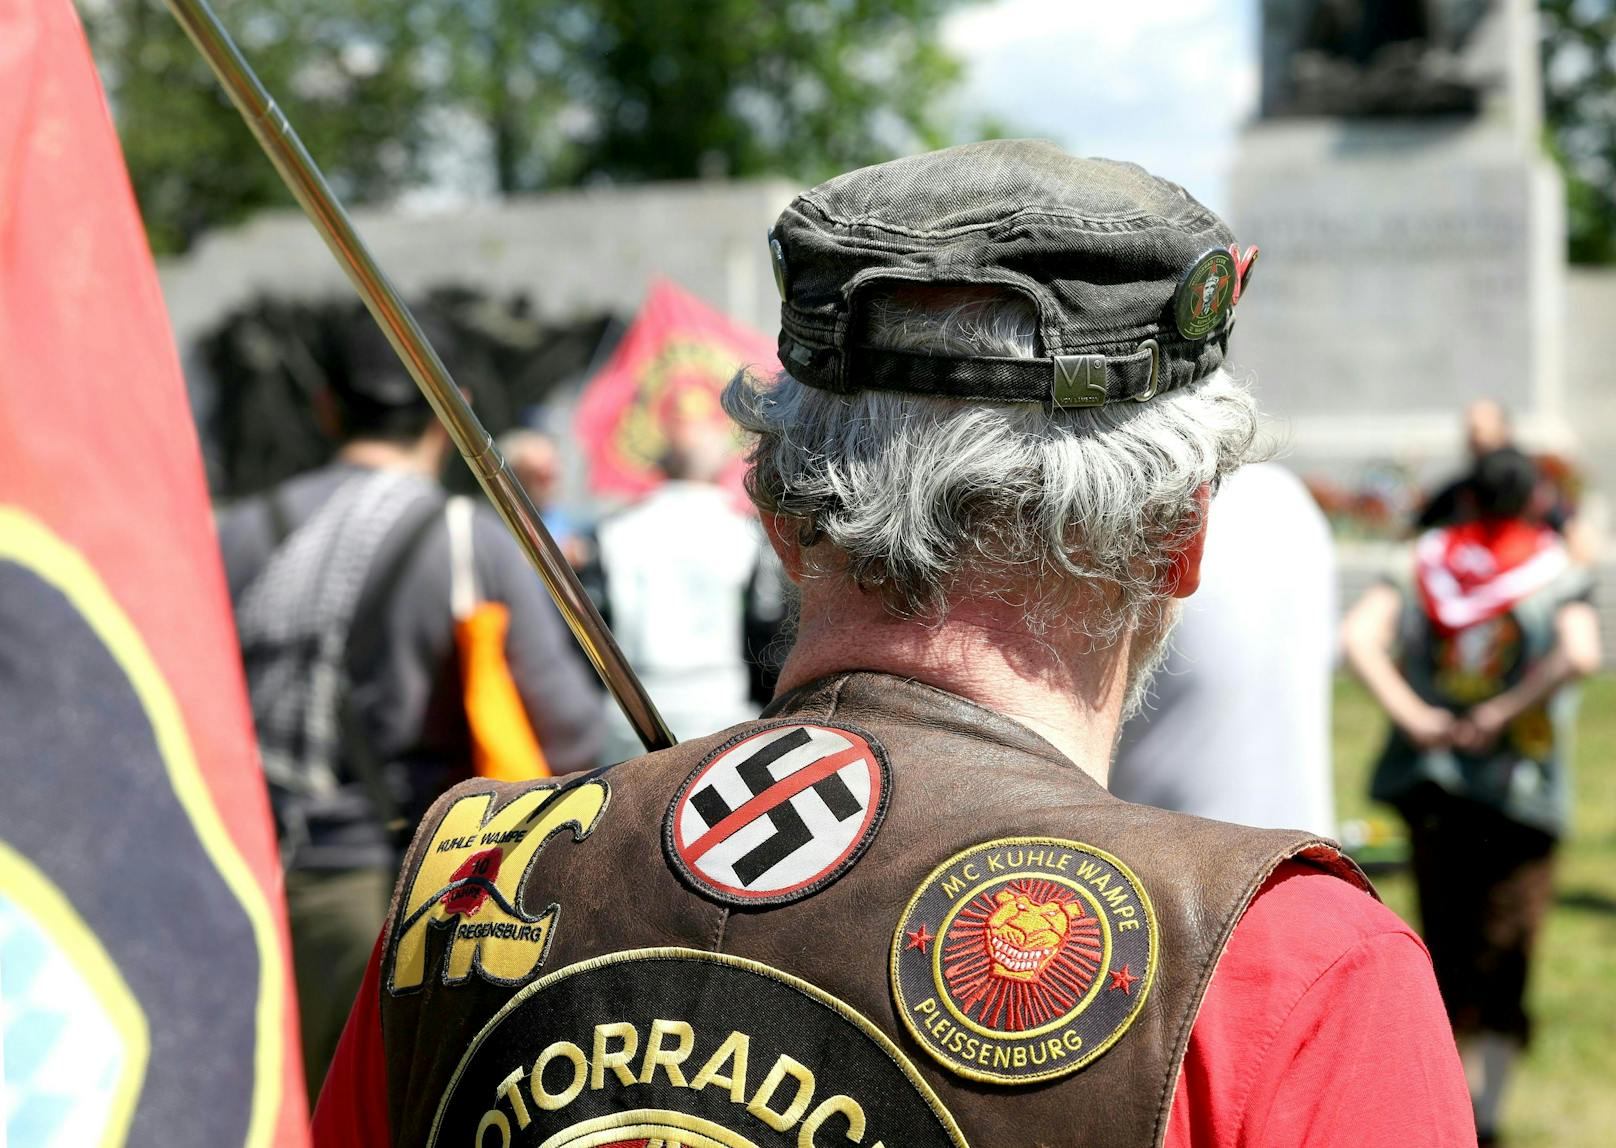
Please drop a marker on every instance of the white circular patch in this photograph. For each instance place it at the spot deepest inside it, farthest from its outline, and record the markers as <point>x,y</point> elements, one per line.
<point>778,813</point>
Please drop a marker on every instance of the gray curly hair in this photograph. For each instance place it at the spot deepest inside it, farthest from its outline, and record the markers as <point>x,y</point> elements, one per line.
<point>927,500</point>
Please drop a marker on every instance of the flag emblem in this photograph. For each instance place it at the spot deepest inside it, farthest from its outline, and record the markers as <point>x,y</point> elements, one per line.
<point>777,813</point>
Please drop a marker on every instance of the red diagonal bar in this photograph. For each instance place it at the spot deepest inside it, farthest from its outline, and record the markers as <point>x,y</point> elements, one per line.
<point>783,790</point>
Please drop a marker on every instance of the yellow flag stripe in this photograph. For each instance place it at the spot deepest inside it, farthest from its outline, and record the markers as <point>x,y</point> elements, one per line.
<point>31,544</point>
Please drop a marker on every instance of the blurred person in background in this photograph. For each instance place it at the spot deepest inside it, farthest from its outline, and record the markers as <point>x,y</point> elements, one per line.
<point>535,460</point>
<point>1237,725</point>
<point>675,573</point>
<point>341,579</point>
<point>1487,427</point>
<point>1472,657</point>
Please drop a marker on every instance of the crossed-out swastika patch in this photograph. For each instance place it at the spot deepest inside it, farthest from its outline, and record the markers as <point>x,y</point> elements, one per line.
<point>777,813</point>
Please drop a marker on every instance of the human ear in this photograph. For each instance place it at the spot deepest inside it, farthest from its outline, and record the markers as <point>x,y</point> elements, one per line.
<point>785,537</point>
<point>1184,572</point>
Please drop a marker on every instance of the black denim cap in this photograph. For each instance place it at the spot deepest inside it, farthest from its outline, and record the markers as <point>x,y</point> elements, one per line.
<point>1134,281</point>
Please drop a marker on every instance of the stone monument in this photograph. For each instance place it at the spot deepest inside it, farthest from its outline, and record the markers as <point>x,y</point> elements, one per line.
<point>1411,229</point>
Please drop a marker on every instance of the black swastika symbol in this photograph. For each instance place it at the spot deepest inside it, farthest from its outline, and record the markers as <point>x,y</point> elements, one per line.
<point>790,831</point>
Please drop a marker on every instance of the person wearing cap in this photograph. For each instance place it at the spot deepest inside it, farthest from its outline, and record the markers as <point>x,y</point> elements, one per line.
<point>340,578</point>
<point>901,907</point>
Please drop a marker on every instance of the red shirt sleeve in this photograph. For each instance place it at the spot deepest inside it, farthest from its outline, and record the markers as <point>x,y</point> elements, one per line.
<point>352,1110</point>
<point>1322,1026</point>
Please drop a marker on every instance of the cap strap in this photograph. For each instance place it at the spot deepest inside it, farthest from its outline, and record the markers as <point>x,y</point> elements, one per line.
<point>1064,381</point>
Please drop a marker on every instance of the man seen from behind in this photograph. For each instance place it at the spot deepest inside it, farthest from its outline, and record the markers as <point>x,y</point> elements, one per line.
<point>901,907</point>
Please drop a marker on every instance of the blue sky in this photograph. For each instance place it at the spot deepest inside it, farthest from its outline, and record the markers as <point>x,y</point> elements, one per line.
<point>1165,83</point>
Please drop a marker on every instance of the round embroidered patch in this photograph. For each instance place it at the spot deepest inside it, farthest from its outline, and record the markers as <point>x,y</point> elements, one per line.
<point>684,1049</point>
<point>777,813</point>
<point>1206,294</point>
<point>1024,958</point>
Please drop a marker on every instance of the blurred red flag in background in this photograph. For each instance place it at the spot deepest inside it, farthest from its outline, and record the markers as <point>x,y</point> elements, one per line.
<point>675,358</point>
<point>142,935</point>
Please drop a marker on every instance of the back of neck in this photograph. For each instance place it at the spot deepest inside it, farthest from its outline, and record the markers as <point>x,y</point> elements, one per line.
<point>984,652</point>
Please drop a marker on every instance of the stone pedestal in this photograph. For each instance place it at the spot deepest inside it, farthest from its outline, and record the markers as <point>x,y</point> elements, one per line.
<point>1407,268</point>
<point>1412,257</point>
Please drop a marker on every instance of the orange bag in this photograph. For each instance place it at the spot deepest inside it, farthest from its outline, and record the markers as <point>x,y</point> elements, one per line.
<point>503,744</point>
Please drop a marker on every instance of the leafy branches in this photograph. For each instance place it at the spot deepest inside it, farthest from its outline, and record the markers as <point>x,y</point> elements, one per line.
<point>1579,106</point>
<point>506,96</point>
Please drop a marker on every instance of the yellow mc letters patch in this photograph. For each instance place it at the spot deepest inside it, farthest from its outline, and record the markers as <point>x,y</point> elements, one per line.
<point>469,880</point>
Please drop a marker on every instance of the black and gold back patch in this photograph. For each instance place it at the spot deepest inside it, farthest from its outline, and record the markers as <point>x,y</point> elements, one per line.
<point>468,883</point>
<point>684,1048</point>
<point>1023,959</point>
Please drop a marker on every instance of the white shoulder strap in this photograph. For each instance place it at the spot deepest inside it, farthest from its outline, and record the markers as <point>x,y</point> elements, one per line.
<point>462,558</point>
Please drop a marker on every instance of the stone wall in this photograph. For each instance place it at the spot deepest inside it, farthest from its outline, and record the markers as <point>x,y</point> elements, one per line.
<point>1590,372</point>
<point>1590,399</point>
<point>1406,270</point>
<point>574,253</point>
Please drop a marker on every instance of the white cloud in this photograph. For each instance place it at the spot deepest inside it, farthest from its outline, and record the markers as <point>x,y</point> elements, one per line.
<point>1166,83</point>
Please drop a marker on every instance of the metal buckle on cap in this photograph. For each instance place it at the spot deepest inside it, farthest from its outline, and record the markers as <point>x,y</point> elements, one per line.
<point>1079,381</point>
<point>1155,370</point>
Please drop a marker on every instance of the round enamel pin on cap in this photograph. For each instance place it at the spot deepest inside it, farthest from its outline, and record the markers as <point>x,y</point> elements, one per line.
<point>777,813</point>
<point>1024,959</point>
<point>1206,294</point>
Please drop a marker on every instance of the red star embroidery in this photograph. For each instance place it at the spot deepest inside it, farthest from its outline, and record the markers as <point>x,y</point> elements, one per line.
<point>1122,979</point>
<point>918,938</point>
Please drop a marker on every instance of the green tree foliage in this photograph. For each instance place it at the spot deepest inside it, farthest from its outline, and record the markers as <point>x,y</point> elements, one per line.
<point>518,95</point>
<point>345,71</point>
<point>689,87</point>
<point>1579,105</point>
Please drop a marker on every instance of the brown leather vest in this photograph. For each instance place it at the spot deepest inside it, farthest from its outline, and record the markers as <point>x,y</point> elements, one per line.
<point>960,776</point>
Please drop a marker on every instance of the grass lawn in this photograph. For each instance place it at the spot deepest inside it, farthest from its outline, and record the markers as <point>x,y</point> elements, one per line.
<point>1564,1095</point>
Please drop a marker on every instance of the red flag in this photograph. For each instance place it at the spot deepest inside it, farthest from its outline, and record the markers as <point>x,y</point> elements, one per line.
<point>676,357</point>
<point>142,933</point>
